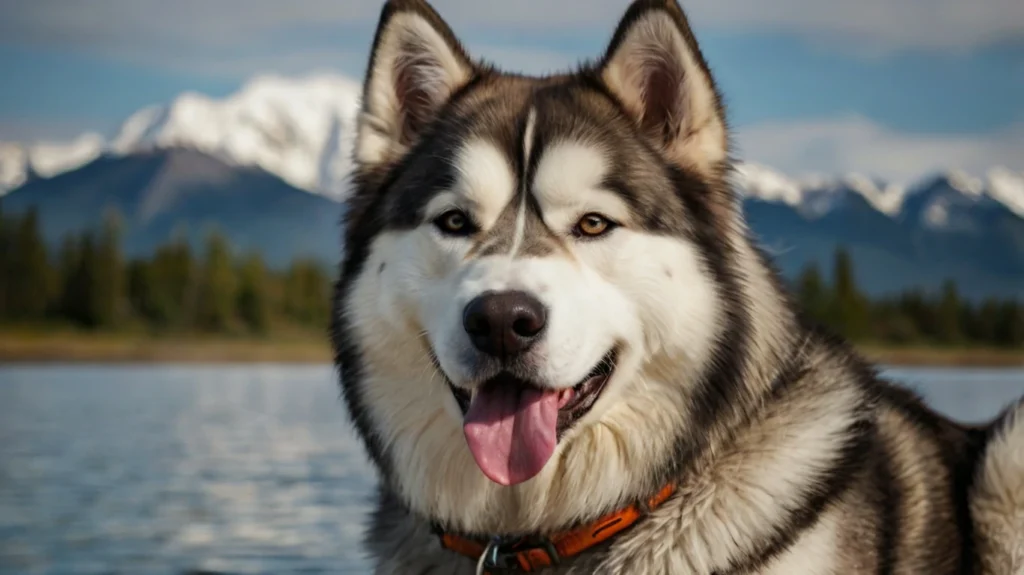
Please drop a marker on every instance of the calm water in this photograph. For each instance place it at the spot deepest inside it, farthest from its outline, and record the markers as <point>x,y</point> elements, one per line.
<point>238,469</point>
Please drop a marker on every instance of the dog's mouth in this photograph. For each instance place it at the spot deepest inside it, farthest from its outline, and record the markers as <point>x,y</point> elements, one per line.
<point>512,426</point>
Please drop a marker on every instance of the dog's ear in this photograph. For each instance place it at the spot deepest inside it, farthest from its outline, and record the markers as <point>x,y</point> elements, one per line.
<point>654,67</point>
<point>416,64</point>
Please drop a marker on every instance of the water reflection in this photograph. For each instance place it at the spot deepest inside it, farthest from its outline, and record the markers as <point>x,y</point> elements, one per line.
<point>142,470</point>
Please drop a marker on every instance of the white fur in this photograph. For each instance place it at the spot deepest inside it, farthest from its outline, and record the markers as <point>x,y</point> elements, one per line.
<point>745,490</point>
<point>484,184</point>
<point>997,502</point>
<point>567,183</point>
<point>814,553</point>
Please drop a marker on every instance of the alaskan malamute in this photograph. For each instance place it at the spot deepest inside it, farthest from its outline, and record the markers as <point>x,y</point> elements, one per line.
<point>565,354</point>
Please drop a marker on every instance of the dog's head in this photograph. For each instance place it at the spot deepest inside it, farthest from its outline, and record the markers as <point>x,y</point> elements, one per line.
<point>533,267</point>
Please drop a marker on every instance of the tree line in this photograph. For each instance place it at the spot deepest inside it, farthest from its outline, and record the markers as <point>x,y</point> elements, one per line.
<point>910,318</point>
<point>89,283</point>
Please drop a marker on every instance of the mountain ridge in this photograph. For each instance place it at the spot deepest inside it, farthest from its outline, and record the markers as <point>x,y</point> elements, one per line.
<point>161,194</point>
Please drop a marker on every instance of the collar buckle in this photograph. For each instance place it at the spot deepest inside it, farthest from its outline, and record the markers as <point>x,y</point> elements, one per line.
<point>517,555</point>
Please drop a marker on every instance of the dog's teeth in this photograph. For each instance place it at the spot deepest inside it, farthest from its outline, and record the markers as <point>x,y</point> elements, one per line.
<point>564,397</point>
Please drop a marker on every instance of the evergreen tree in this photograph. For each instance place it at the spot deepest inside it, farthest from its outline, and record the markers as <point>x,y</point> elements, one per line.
<point>29,276</point>
<point>948,314</point>
<point>5,259</point>
<point>83,305</point>
<point>987,319</point>
<point>1010,329</point>
<point>174,284</point>
<point>253,299</point>
<point>812,293</point>
<point>216,304</point>
<point>306,293</point>
<point>109,275</point>
<point>892,323</point>
<point>68,272</point>
<point>849,309</point>
<point>144,295</point>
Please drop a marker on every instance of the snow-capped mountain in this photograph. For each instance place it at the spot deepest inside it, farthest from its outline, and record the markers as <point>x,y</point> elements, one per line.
<point>46,159</point>
<point>1007,187</point>
<point>300,130</point>
<point>816,196</point>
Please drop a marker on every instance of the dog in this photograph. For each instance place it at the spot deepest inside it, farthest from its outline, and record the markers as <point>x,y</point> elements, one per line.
<point>565,353</point>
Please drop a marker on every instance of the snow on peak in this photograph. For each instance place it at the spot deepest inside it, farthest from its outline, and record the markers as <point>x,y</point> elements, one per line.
<point>815,195</point>
<point>45,159</point>
<point>1007,187</point>
<point>300,129</point>
<point>50,159</point>
<point>13,166</point>
<point>762,182</point>
<point>965,183</point>
<point>884,197</point>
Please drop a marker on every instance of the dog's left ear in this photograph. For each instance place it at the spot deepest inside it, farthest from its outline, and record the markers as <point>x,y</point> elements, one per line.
<point>654,67</point>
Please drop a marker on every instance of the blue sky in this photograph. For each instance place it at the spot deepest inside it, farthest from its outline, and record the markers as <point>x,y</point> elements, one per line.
<point>890,88</point>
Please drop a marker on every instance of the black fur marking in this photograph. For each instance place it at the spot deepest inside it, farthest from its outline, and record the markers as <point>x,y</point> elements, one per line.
<point>889,505</point>
<point>826,489</point>
<point>724,377</point>
<point>962,449</point>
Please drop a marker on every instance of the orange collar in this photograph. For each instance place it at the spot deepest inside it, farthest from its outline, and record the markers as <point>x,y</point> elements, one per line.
<point>530,555</point>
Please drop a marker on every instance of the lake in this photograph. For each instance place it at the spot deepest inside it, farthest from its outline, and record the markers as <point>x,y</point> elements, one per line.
<point>239,469</point>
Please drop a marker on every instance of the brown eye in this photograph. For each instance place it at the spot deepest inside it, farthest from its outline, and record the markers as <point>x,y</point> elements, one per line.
<point>593,225</point>
<point>453,222</point>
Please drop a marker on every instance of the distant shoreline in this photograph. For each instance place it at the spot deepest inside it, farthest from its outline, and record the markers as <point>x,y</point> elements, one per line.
<point>63,347</point>
<point>78,347</point>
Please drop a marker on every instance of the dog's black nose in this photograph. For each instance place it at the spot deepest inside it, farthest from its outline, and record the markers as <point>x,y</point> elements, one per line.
<point>504,324</point>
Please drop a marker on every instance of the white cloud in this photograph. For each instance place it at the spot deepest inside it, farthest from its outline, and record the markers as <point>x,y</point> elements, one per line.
<point>302,62</point>
<point>159,29</point>
<point>855,144</point>
<point>874,25</point>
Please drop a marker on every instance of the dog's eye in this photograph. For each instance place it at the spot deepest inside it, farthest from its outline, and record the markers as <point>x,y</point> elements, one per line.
<point>592,226</point>
<point>454,222</point>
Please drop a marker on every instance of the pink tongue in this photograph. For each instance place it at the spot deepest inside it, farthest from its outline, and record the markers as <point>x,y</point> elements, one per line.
<point>511,431</point>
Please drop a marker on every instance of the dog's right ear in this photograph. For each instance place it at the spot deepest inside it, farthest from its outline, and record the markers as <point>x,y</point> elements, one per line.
<point>415,66</point>
<point>655,68</point>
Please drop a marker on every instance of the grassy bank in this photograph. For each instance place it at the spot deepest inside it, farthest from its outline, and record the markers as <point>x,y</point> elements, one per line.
<point>949,357</point>
<point>62,345</point>
<point>26,346</point>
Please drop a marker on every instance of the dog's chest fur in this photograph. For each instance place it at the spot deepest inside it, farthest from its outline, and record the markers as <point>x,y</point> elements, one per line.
<point>827,479</point>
